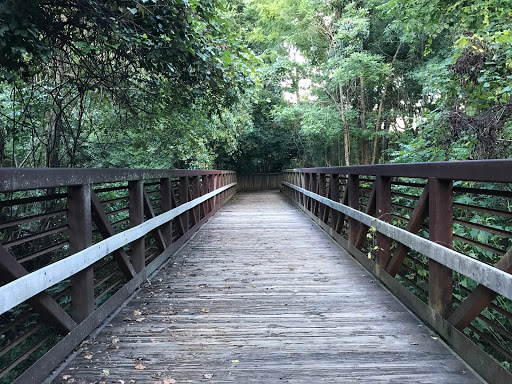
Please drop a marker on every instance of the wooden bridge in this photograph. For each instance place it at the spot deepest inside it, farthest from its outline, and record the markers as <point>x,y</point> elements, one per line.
<point>348,274</point>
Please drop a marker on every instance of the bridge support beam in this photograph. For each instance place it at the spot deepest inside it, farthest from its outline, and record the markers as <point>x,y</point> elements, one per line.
<point>441,232</point>
<point>80,226</point>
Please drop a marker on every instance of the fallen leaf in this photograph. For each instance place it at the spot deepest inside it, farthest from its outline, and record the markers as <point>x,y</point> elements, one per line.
<point>121,381</point>
<point>139,341</point>
<point>206,310</point>
<point>208,375</point>
<point>115,340</point>
<point>169,381</point>
<point>234,361</point>
<point>106,372</point>
<point>137,312</point>
<point>140,366</point>
<point>140,319</point>
<point>66,377</point>
<point>88,357</point>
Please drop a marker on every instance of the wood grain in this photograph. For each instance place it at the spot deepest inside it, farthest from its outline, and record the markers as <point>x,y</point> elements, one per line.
<point>262,295</point>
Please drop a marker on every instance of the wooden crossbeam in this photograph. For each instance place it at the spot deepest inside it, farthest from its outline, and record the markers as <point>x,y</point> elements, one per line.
<point>180,221</point>
<point>370,210</point>
<point>161,244</point>
<point>414,224</point>
<point>106,230</point>
<point>43,303</point>
<point>340,219</point>
<point>479,299</point>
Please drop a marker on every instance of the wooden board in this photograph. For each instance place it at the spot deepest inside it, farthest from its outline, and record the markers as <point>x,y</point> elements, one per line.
<point>262,295</point>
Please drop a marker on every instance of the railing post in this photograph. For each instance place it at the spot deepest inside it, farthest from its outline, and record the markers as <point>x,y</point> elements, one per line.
<point>302,184</point>
<point>196,192</point>
<point>166,205</point>
<point>136,210</point>
<point>80,237</point>
<point>307,186</point>
<point>314,189</point>
<point>204,191</point>
<point>353,202</point>
<point>383,212</point>
<point>334,194</point>
<point>441,232</point>
<point>322,191</point>
<point>211,187</point>
<point>184,190</point>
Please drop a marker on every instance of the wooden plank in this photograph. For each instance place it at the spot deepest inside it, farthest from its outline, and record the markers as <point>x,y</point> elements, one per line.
<point>479,299</point>
<point>43,303</point>
<point>80,237</point>
<point>265,308</point>
<point>414,224</point>
<point>106,230</point>
<point>440,220</point>
<point>478,271</point>
<point>136,211</point>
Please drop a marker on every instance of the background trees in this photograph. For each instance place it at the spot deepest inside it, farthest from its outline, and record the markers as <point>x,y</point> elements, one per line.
<point>253,85</point>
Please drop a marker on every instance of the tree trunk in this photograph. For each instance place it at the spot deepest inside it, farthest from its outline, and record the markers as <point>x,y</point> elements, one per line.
<point>362,113</point>
<point>381,105</point>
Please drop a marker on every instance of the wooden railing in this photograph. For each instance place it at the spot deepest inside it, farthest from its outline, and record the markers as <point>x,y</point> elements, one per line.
<point>76,243</point>
<point>258,181</point>
<point>438,235</point>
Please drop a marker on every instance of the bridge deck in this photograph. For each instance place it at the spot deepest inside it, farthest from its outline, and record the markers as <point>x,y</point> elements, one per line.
<point>262,295</point>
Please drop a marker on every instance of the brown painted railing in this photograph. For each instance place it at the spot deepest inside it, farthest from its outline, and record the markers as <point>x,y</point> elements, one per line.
<point>438,235</point>
<point>258,181</point>
<point>76,243</point>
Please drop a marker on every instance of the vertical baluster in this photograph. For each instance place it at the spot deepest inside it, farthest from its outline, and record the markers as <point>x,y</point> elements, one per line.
<point>211,187</point>
<point>136,210</point>
<point>204,191</point>
<point>441,232</point>
<point>334,194</point>
<point>322,191</point>
<point>184,189</point>
<point>80,237</point>
<point>314,188</point>
<point>353,202</point>
<point>196,192</point>
<point>166,205</point>
<point>383,212</point>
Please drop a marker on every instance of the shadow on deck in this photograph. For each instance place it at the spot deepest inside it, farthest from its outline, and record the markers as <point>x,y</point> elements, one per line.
<point>262,295</point>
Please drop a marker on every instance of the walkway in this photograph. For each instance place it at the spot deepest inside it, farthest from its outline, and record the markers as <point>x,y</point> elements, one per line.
<point>261,295</point>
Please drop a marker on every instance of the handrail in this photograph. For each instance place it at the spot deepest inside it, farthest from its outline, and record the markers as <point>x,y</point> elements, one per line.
<point>22,289</point>
<point>493,278</point>
<point>19,179</point>
<point>469,170</point>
